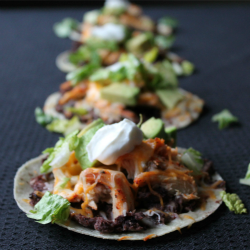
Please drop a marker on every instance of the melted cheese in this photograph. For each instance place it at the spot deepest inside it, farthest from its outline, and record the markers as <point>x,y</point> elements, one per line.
<point>155,193</point>
<point>148,237</point>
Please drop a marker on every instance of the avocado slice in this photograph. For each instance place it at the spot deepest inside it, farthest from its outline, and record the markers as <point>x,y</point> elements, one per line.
<point>85,137</point>
<point>172,134</point>
<point>153,128</point>
<point>169,97</point>
<point>122,93</point>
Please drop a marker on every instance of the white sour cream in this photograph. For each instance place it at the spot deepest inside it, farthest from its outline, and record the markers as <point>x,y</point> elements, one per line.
<point>109,31</point>
<point>113,141</point>
<point>116,4</point>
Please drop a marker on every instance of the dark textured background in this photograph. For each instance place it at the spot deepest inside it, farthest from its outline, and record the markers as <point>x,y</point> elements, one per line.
<point>214,36</point>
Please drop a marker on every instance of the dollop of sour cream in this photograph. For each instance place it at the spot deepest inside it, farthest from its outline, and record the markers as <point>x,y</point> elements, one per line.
<point>109,31</point>
<point>113,141</point>
<point>116,4</point>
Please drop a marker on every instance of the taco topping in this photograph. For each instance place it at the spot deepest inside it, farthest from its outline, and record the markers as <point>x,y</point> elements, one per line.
<point>114,181</point>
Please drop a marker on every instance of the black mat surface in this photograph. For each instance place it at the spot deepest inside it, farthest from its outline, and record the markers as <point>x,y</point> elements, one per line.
<point>214,36</point>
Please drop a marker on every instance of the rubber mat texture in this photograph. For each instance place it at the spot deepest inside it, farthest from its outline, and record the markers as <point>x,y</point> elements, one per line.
<point>213,36</point>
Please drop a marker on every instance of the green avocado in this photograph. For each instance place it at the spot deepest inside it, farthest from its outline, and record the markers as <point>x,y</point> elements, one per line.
<point>153,128</point>
<point>171,132</point>
<point>169,97</point>
<point>122,93</point>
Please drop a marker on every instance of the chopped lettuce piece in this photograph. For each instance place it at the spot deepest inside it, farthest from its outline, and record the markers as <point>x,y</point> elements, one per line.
<point>164,42</point>
<point>51,208</point>
<point>169,21</point>
<point>233,202</point>
<point>65,27</point>
<point>140,121</point>
<point>151,55</point>
<point>42,118</point>
<point>85,137</point>
<point>192,159</point>
<point>246,180</point>
<point>60,153</point>
<point>64,126</point>
<point>187,68</point>
<point>91,16</point>
<point>94,43</point>
<point>77,111</point>
<point>82,73</point>
<point>225,118</point>
<point>161,76</point>
<point>129,68</point>
<point>169,97</point>
<point>82,54</point>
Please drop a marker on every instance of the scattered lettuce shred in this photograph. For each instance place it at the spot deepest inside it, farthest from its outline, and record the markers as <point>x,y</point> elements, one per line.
<point>59,155</point>
<point>64,126</point>
<point>164,42</point>
<point>82,73</point>
<point>187,68</point>
<point>246,180</point>
<point>51,208</point>
<point>169,21</point>
<point>84,138</point>
<point>42,118</point>
<point>140,121</point>
<point>192,159</point>
<point>64,28</point>
<point>233,202</point>
<point>225,118</point>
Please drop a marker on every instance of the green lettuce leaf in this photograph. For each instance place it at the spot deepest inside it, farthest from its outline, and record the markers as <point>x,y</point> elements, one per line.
<point>233,202</point>
<point>169,21</point>
<point>42,118</point>
<point>246,180</point>
<point>91,16</point>
<point>85,137</point>
<point>164,42</point>
<point>59,155</point>
<point>64,28</point>
<point>64,126</point>
<point>151,55</point>
<point>82,73</point>
<point>187,68</point>
<point>51,208</point>
<point>192,159</point>
<point>82,54</point>
<point>94,43</point>
<point>225,118</point>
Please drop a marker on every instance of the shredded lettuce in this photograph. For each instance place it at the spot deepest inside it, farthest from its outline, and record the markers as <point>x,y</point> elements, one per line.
<point>233,202</point>
<point>94,43</point>
<point>169,21</point>
<point>82,54</point>
<point>225,118</point>
<point>42,118</point>
<point>128,68</point>
<point>161,76</point>
<point>59,155</point>
<point>187,68</point>
<point>164,42</point>
<point>64,126</point>
<point>64,28</point>
<point>246,180</point>
<point>82,73</point>
<point>51,208</point>
<point>151,55</point>
<point>85,137</point>
<point>192,159</point>
<point>91,16</point>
